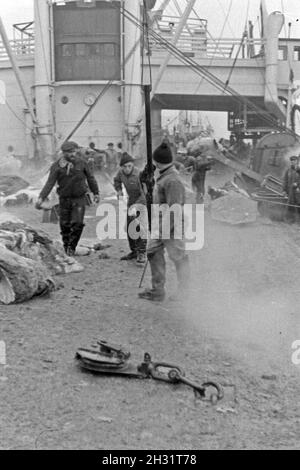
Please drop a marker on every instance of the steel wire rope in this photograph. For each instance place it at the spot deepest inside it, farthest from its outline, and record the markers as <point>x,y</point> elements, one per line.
<point>213,80</point>
<point>100,96</point>
<point>209,34</point>
<point>220,85</point>
<point>229,24</point>
<point>173,12</point>
<point>14,112</point>
<point>244,35</point>
<point>218,42</point>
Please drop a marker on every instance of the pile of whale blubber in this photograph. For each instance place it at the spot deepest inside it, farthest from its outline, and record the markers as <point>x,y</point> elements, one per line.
<point>28,261</point>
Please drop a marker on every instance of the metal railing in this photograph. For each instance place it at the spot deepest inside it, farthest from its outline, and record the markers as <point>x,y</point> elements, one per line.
<point>21,48</point>
<point>227,48</point>
<point>168,24</point>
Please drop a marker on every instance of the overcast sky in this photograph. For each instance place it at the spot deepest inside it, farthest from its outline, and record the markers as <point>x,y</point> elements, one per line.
<point>18,11</point>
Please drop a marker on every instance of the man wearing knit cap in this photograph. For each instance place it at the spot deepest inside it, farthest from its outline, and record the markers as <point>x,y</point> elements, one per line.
<point>70,173</point>
<point>169,191</point>
<point>128,176</point>
<point>291,186</point>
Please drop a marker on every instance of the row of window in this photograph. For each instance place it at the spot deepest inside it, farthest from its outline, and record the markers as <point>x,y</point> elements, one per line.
<point>88,50</point>
<point>283,53</point>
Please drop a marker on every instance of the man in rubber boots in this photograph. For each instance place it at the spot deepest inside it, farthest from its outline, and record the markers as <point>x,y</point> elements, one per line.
<point>201,166</point>
<point>70,173</point>
<point>291,184</point>
<point>128,175</point>
<point>169,191</point>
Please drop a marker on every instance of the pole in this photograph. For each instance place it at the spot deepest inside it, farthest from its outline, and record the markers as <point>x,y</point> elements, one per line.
<point>150,168</point>
<point>43,86</point>
<point>16,70</point>
<point>144,274</point>
<point>147,92</point>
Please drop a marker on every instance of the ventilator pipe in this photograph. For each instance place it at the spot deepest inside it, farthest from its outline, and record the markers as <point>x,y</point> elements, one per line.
<point>272,27</point>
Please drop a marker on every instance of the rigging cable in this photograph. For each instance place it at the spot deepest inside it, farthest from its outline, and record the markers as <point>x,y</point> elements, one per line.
<point>14,112</point>
<point>205,26</point>
<point>244,36</point>
<point>212,79</point>
<point>240,98</point>
<point>228,22</point>
<point>217,45</point>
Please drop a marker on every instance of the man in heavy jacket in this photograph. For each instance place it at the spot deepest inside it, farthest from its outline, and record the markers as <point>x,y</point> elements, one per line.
<point>112,159</point>
<point>70,173</point>
<point>201,166</point>
<point>128,176</point>
<point>169,191</point>
<point>291,186</point>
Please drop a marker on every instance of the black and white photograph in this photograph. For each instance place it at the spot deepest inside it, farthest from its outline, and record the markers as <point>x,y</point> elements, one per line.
<point>149,227</point>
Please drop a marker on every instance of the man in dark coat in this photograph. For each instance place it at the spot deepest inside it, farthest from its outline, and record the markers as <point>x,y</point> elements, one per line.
<point>70,173</point>
<point>201,166</point>
<point>291,186</point>
<point>128,176</point>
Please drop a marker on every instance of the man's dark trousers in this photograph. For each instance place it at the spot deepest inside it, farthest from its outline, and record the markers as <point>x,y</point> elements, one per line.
<point>136,246</point>
<point>71,214</point>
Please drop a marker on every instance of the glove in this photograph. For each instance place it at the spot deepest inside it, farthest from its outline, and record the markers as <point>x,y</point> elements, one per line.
<point>38,204</point>
<point>96,198</point>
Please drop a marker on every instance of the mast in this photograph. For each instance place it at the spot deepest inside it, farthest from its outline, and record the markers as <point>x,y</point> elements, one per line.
<point>131,69</point>
<point>43,80</point>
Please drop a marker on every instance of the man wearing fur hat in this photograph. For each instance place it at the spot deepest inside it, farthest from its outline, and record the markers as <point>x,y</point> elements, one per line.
<point>128,176</point>
<point>70,173</point>
<point>169,192</point>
